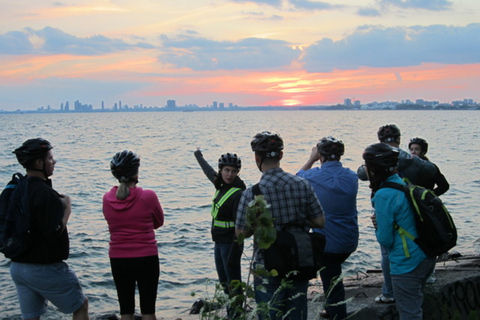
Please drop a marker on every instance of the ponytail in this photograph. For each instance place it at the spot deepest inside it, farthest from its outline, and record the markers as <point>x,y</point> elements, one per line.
<point>123,191</point>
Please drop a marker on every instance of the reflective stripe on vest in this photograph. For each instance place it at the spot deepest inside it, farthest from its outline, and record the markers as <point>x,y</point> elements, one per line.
<point>216,207</point>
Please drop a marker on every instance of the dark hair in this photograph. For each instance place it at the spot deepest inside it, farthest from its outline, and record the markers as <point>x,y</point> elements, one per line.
<point>421,142</point>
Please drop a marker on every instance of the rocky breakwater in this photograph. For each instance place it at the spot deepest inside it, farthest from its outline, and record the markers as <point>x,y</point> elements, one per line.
<point>454,295</point>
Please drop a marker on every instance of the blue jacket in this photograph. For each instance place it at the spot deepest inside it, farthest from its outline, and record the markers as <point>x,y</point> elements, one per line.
<point>392,206</point>
<point>336,188</point>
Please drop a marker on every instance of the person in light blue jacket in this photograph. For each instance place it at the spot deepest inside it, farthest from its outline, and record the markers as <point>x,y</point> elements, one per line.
<point>336,188</point>
<point>409,266</point>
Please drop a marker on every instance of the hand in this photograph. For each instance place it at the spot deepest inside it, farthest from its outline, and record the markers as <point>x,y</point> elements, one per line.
<point>314,156</point>
<point>374,221</point>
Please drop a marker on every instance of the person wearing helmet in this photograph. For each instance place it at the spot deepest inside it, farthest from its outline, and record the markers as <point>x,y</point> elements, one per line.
<point>419,148</point>
<point>292,201</point>
<point>40,273</point>
<point>392,207</point>
<point>336,188</point>
<point>133,214</point>
<point>229,187</point>
<point>409,167</point>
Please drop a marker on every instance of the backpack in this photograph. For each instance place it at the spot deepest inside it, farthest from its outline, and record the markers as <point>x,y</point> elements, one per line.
<point>295,254</point>
<point>435,227</point>
<point>15,217</point>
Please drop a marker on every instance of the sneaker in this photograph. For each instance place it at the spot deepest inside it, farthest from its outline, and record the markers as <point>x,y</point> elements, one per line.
<point>382,299</point>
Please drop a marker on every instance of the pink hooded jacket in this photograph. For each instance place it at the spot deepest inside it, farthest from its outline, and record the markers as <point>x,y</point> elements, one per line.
<point>132,222</point>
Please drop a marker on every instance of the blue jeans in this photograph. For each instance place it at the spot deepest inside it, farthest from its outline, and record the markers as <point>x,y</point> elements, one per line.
<point>387,287</point>
<point>331,271</point>
<point>408,289</point>
<point>292,299</point>
<point>227,262</point>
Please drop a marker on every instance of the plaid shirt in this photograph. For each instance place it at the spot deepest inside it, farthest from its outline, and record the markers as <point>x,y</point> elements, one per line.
<point>292,200</point>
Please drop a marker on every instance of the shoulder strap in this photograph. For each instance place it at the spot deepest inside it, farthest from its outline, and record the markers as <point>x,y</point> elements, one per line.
<point>394,185</point>
<point>256,190</point>
<point>402,232</point>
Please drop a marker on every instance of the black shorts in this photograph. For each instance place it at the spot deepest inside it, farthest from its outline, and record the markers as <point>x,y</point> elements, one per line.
<point>143,272</point>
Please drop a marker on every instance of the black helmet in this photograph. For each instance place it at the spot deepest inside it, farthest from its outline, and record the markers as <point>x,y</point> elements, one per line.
<point>421,142</point>
<point>330,147</point>
<point>31,150</point>
<point>388,133</point>
<point>380,157</point>
<point>229,159</point>
<point>124,165</point>
<point>270,144</point>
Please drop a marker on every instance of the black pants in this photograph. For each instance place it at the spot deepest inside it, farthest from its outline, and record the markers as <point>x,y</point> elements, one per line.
<point>128,272</point>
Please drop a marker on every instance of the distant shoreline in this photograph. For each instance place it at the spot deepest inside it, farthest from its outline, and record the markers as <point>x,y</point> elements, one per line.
<point>270,108</point>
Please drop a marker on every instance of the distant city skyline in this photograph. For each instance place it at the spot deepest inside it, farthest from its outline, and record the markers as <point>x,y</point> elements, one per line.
<point>245,52</point>
<point>171,105</point>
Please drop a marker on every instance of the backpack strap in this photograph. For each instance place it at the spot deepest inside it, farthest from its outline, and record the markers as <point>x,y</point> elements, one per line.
<point>401,231</point>
<point>256,190</point>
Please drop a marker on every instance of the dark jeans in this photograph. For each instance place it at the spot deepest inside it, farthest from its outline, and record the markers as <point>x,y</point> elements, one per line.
<point>227,264</point>
<point>144,272</point>
<point>330,272</point>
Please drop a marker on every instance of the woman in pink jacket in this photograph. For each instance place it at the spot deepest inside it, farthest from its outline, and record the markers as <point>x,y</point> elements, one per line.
<point>132,215</point>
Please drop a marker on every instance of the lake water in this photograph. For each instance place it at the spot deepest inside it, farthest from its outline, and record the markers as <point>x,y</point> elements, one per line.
<point>85,143</point>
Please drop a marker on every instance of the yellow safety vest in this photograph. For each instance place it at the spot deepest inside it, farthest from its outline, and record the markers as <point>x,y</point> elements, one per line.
<point>216,207</point>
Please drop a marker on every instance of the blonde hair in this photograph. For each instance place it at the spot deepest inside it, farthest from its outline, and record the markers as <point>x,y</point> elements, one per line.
<point>123,191</point>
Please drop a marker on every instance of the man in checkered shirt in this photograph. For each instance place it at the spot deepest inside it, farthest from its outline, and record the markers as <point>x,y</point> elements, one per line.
<point>292,201</point>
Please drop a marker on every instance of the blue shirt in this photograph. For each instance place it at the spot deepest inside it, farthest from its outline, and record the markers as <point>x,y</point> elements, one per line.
<point>336,188</point>
<point>392,206</point>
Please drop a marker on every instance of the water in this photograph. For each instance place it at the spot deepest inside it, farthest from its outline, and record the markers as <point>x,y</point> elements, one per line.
<point>85,143</point>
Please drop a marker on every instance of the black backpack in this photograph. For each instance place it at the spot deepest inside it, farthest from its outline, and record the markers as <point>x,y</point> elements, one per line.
<point>295,254</point>
<point>435,227</point>
<point>15,219</point>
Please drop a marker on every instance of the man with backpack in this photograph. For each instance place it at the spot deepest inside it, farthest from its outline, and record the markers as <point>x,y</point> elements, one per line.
<point>409,265</point>
<point>292,202</point>
<point>40,273</point>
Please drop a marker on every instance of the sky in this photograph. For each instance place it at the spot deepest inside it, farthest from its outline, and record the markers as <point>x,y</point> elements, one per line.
<point>244,52</point>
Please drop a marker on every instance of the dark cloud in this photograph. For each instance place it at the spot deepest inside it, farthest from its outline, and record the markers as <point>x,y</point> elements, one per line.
<point>368,12</point>
<point>15,42</point>
<point>298,4</point>
<point>203,54</point>
<point>396,47</point>
<point>312,5</point>
<point>54,41</point>
<point>434,5</point>
<point>275,3</point>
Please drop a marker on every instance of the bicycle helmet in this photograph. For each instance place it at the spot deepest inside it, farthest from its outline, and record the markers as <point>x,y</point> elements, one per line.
<point>229,159</point>
<point>124,165</point>
<point>31,150</point>
<point>421,142</point>
<point>330,147</point>
<point>388,133</point>
<point>268,143</point>
<point>380,157</point>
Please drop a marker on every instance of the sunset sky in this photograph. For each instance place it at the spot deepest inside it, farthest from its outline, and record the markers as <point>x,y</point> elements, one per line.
<point>249,53</point>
